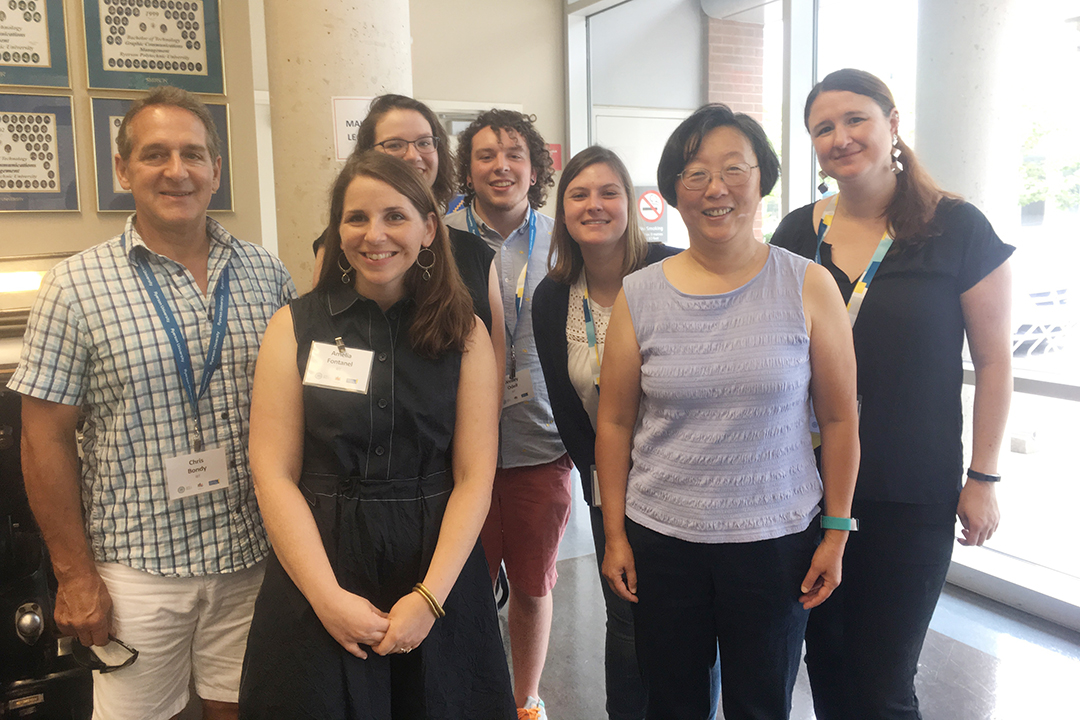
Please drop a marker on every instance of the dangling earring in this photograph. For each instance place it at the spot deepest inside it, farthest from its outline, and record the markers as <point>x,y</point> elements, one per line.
<point>823,187</point>
<point>897,166</point>
<point>345,279</point>
<point>426,268</point>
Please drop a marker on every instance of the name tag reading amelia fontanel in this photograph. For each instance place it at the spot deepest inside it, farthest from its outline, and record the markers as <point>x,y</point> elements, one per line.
<point>338,367</point>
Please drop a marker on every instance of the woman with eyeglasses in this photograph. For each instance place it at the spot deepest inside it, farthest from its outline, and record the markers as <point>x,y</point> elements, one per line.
<point>374,434</point>
<point>709,489</point>
<point>408,129</point>
<point>920,270</point>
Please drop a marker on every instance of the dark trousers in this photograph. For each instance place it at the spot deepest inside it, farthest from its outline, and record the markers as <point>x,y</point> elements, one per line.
<point>742,595</point>
<point>627,694</point>
<point>863,643</point>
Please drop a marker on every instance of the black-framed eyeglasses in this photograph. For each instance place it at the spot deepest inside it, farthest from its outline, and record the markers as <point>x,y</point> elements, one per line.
<point>699,178</point>
<point>117,655</point>
<point>398,147</point>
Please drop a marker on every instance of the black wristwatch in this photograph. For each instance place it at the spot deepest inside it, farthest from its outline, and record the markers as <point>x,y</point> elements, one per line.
<point>985,477</point>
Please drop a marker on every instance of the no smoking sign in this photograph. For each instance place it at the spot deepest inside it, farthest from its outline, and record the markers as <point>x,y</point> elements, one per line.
<point>651,206</point>
<point>651,217</point>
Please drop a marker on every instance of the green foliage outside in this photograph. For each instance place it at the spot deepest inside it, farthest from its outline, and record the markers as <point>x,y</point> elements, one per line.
<point>1041,180</point>
<point>1068,195</point>
<point>1033,187</point>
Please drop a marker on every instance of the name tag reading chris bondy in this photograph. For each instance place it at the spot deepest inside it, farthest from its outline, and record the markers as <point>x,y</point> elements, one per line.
<point>338,368</point>
<point>197,473</point>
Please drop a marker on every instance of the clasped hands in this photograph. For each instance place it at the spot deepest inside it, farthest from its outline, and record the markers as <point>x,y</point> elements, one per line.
<point>354,622</point>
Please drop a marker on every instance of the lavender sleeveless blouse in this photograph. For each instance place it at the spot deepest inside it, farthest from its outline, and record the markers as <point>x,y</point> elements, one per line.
<point>722,450</point>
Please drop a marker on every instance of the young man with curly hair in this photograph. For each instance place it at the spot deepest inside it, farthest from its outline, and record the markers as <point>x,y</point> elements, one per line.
<point>504,170</point>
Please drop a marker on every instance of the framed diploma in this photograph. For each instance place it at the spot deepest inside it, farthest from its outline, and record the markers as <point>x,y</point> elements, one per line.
<point>33,48</point>
<point>107,114</point>
<point>140,44</point>
<point>37,154</point>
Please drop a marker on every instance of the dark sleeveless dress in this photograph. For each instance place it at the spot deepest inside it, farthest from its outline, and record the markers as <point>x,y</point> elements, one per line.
<point>377,476</point>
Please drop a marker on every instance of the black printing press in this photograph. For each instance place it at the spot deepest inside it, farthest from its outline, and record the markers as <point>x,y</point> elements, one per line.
<point>38,679</point>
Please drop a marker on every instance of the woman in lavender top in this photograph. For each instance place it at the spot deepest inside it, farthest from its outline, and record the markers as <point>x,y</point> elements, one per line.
<point>595,244</point>
<point>709,488</point>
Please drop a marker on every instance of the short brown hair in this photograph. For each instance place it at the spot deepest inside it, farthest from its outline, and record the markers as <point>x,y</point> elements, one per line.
<point>686,140</point>
<point>564,257</point>
<point>444,309</point>
<point>174,96</point>
<point>520,124</point>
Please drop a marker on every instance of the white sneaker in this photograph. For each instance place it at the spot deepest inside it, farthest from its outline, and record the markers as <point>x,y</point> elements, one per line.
<point>533,710</point>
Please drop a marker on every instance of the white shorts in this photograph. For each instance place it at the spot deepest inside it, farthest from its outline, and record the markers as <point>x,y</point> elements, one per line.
<point>182,627</point>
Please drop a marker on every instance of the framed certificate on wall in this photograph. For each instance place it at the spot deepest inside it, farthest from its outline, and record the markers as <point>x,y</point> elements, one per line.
<point>140,44</point>
<point>107,114</point>
<point>37,154</point>
<point>33,45</point>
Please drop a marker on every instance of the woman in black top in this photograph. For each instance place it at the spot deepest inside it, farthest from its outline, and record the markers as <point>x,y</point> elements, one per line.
<point>943,276</point>
<point>408,129</point>
<point>596,242</point>
<point>374,485</point>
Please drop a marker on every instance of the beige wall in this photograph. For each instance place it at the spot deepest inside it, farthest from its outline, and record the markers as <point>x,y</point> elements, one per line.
<point>317,50</point>
<point>522,63</point>
<point>494,51</point>
<point>31,233</point>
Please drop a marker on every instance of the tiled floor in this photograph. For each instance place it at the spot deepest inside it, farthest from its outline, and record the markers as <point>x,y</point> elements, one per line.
<point>981,660</point>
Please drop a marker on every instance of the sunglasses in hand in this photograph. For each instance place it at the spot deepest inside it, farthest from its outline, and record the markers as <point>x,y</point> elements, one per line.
<point>108,658</point>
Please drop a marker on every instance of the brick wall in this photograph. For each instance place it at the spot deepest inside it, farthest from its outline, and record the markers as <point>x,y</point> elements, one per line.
<point>736,65</point>
<point>736,69</point>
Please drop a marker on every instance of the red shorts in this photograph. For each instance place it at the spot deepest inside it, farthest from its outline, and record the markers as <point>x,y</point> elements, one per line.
<point>530,507</point>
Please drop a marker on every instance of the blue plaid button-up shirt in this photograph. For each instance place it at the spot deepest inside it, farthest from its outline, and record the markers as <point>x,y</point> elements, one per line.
<point>527,432</point>
<point>94,339</point>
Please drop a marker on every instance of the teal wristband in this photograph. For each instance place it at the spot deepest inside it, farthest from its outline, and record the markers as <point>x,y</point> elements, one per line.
<point>839,523</point>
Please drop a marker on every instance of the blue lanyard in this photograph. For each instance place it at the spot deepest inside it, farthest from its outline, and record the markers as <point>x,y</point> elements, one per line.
<point>522,278</point>
<point>863,285</point>
<point>179,342</point>
<point>590,335</point>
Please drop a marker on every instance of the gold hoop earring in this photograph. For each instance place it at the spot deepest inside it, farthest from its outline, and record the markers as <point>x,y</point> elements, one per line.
<point>345,279</point>
<point>426,268</point>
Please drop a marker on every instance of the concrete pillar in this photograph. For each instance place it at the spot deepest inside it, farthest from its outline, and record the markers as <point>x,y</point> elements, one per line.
<point>963,111</point>
<point>316,50</point>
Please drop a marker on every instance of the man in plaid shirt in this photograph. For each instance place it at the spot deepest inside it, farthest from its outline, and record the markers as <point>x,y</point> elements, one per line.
<point>151,339</point>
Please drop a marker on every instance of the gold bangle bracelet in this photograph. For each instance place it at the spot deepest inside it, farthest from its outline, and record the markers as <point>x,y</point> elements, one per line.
<point>430,597</point>
<point>436,608</point>
<point>435,604</point>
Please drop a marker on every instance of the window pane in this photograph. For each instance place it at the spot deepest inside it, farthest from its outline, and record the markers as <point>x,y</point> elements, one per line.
<point>1040,174</point>
<point>1039,493</point>
<point>1045,179</point>
<point>850,36</point>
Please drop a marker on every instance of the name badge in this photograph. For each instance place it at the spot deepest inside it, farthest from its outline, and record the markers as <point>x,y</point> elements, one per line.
<point>595,488</point>
<point>518,389</point>
<point>338,367</point>
<point>197,473</point>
